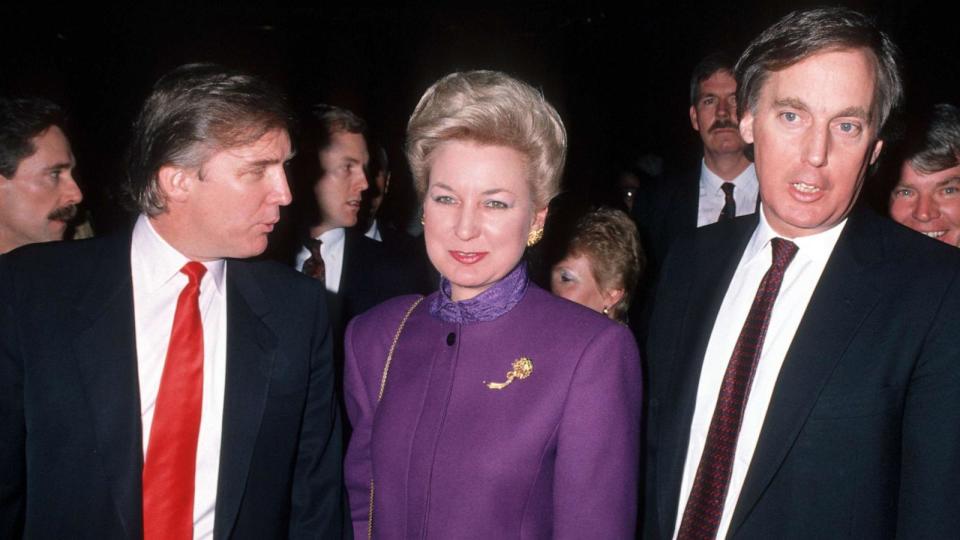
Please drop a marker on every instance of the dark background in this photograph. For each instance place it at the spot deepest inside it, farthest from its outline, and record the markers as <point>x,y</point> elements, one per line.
<point>618,75</point>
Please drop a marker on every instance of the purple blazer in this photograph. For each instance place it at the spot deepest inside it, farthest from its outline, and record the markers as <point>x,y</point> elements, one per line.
<point>553,455</point>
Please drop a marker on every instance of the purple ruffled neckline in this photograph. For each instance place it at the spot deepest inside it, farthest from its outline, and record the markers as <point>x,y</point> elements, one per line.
<point>500,298</point>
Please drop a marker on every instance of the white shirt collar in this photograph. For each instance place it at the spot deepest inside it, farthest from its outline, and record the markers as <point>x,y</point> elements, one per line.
<point>816,247</point>
<point>332,237</point>
<point>746,181</point>
<point>162,262</point>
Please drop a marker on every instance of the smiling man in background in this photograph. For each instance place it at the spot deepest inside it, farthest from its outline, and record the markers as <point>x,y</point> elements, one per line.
<point>926,197</point>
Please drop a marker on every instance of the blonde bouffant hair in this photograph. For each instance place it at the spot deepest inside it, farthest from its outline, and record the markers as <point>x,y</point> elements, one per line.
<point>489,108</point>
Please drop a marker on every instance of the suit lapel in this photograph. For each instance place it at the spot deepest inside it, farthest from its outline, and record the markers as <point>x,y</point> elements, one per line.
<point>106,355</point>
<point>251,347</point>
<point>846,293</point>
<point>717,252</point>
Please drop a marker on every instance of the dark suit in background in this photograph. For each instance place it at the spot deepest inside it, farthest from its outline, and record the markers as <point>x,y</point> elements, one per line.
<point>70,430</point>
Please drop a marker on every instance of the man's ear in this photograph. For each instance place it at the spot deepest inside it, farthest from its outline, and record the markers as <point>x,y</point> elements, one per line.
<point>176,182</point>
<point>746,127</point>
<point>877,146</point>
<point>694,120</point>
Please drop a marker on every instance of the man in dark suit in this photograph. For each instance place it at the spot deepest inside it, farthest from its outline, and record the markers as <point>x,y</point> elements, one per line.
<point>721,185</point>
<point>153,384</point>
<point>803,362</point>
<point>329,177</point>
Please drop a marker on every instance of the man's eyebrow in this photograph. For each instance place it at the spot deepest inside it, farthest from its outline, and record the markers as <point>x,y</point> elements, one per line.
<point>792,102</point>
<point>262,163</point>
<point>856,112</point>
<point>59,166</point>
<point>948,181</point>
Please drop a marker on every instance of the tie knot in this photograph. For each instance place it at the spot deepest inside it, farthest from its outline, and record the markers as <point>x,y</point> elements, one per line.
<point>194,271</point>
<point>783,252</point>
<point>727,188</point>
<point>313,246</point>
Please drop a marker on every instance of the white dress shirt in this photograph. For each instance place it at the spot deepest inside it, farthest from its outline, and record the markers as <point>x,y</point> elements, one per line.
<point>157,284</point>
<point>799,282</point>
<point>373,232</point>
<point>712,197</point>
<point>332,252</point>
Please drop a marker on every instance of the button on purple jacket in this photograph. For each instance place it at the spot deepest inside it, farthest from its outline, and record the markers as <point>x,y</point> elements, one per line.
<point>554,455</point>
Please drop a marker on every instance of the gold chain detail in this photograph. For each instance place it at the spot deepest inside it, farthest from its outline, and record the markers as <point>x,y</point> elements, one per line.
<point>383,384</point>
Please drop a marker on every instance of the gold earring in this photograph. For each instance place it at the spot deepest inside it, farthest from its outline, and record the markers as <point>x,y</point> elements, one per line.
<point>534,236</point>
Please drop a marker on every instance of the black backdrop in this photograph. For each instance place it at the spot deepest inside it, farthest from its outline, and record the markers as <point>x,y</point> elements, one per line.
<point>618,75</point>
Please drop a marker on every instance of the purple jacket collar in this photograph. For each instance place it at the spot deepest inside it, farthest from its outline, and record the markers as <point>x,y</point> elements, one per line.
<point>500,298</point>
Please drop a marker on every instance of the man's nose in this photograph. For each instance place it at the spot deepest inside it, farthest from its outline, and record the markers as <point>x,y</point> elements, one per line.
<point>926,209</point>
<point>816,147</point>
<point>70,191</point>
<point>281,189</point>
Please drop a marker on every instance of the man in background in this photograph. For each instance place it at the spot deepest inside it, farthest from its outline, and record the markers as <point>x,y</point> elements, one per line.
<point>926,197</point>
<point>38,193</point>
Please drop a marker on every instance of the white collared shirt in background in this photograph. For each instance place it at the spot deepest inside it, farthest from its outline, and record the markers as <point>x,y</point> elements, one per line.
<point>373,232</point>
<point>157,284</point>
<point>332,252</point>
<point>799,282</point>
<point>712,197</point>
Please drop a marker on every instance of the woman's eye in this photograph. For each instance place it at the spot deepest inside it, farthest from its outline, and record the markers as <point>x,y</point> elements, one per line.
<point>443,199</point>
<point>500,205</point>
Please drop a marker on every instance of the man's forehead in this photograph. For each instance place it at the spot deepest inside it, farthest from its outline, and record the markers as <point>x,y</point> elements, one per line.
<point>272,145</point>
<point>814,78</point>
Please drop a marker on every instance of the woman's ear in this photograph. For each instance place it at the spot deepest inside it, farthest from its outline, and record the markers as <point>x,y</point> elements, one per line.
<point>611,297</point>
<point>539,219</point>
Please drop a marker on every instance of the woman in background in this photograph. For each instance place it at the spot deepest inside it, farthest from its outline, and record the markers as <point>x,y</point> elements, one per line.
<point>491,408</point>
<point>602,265</point>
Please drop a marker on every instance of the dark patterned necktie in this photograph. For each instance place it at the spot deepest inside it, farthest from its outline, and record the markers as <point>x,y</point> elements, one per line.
<point>729,210</point>
<point>701,517</point>
<point>314,266</point>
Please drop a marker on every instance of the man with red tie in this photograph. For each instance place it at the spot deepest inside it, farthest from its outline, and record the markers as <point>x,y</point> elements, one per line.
<point>154,384</point>
<point>803,362</point>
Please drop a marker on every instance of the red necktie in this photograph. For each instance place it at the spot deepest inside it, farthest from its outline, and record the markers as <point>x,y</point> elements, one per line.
<point>314,266</point>
<point>170,466</point>
<point>701,517</point>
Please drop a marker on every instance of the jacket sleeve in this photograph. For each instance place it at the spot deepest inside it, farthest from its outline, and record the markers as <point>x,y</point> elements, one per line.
<point>12,422</point>
<point>360,404</point>
<point>929,505</point>
<point>317,507</point>
<point>598,442</point>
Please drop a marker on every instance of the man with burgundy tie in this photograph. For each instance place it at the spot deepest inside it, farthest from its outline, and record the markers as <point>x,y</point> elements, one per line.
<point>804,364</point>
<point>329,176</point>
<point>153,384</point>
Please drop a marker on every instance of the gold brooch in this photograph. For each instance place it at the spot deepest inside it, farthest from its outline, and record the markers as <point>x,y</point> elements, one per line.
<point>522,368</point>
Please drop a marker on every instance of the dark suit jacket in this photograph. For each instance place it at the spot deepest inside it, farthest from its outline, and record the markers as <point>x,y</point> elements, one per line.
<point>70,434</point>
<point>862,435</point>
<point>665,209</point>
